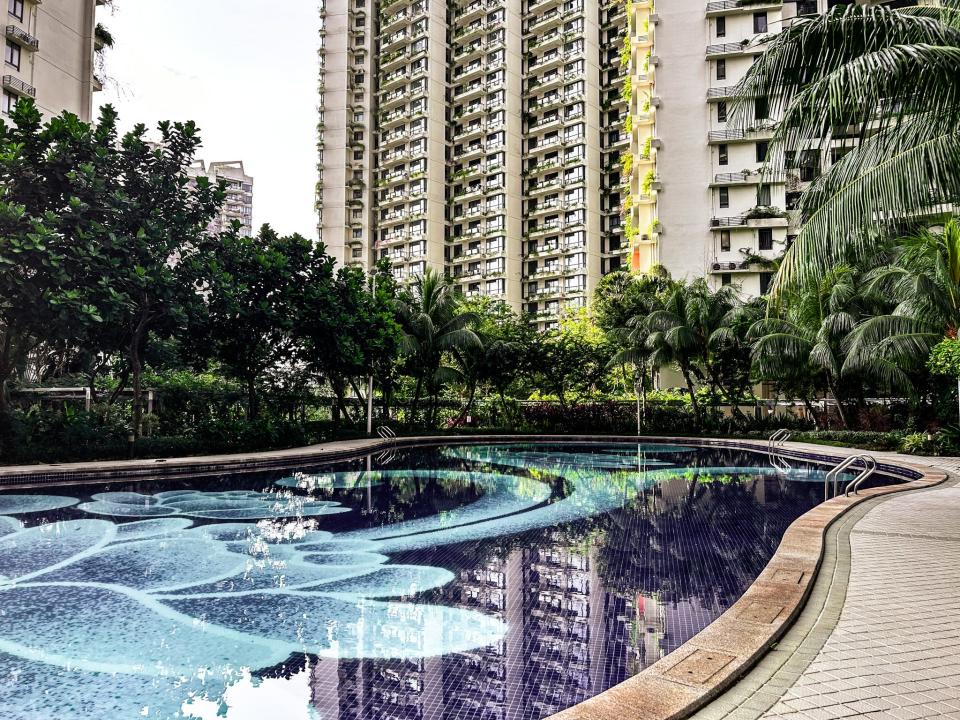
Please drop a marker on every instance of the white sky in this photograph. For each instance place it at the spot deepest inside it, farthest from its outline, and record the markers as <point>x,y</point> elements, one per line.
<point>245,71</point>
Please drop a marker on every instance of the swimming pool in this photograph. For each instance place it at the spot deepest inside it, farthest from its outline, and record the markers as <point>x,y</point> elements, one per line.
<point>458,582</point>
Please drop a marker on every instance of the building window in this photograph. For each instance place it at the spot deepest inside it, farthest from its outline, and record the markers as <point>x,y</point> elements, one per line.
<point>761,109</point>
<point>724,154</point>
<point>763,195</point>
<point>721,69</point>
<point>760,22</point>
<point>724,241</point>
<point>765,238</point>
<point>765,279</point>
<point>15,8</point>
<point>721,27</point>
<point>12,55</point>
<point>762,149</point>
<point>726,279</point>
<point>721,111</point>
<point>724,197</point>
<point>9,102</point>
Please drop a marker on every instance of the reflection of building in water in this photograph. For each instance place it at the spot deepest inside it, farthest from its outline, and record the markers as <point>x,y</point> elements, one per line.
<point>567,639</point>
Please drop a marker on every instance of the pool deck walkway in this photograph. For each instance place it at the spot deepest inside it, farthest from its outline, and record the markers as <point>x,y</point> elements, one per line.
<point>880,635</point>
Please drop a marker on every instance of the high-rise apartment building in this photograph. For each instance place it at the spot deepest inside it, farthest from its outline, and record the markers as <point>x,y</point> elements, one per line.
<point>716,213</point>
<point>239,203</point>
<point>480,138</point>
<point>527,148</point>
<point>49,55</point>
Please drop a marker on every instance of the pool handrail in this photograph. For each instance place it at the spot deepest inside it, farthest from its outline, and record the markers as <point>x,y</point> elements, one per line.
<point>778,439</point>
<point>386,433</point>
<point>870,467</point>
<point>834,473</point>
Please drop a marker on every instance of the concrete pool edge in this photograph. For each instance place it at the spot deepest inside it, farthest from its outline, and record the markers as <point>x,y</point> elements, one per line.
<point>13,476</point>
<point>712,662</point>
<point>679,684</point>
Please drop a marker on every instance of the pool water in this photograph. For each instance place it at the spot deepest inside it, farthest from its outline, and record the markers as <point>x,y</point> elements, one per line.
<point>464,582</point>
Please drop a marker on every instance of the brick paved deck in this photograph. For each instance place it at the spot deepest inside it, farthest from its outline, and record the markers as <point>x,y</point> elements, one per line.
<point>884,643</point>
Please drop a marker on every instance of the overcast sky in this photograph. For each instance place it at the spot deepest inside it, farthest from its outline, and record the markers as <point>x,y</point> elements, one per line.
<point>245,71</point>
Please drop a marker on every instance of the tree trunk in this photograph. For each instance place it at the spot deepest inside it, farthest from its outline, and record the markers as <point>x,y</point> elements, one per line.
<point>642,372</point>
<point>6,368</point>
<point>253,401</point>
<point>415,403</point>
<point>697,417</point>
<point>121,386</point>
<point>840,411</point>
<point>136,369</point>
<point>469,406</point>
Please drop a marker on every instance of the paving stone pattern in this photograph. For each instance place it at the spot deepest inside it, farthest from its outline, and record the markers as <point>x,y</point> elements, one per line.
<point>895,652</point>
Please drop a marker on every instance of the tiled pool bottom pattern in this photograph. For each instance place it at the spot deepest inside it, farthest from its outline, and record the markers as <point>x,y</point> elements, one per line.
<point>589,590</point>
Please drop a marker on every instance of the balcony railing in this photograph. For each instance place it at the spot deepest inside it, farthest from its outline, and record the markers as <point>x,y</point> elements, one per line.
<point>23,38</point>
<point>721,222</point>
<point>19,86</point>
<point>724,135</point>
<point>726,48</point>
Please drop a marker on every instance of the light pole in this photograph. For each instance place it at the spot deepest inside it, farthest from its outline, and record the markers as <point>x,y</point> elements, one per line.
<point>370,379</point>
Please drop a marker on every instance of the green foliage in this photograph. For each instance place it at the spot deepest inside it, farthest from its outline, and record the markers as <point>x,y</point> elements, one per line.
<point>893,78</point>
<point>945,358</point>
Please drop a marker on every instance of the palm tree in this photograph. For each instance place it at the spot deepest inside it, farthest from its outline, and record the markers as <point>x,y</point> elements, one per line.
<point>624,309</point>
<point>685,327</point>
<point>923,282</point>
<point>434,326</point>
<point>809,337</point>
<point>885,82</point>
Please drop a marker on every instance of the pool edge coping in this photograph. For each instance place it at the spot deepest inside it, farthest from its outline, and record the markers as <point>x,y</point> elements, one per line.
<point>679,684</point>
<point>714,660</point>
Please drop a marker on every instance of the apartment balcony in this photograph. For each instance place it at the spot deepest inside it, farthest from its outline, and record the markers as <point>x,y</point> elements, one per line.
<point>471,31</point>
<point>475,89</point>
<point>18,86</point>
<point>546,42</point>
<point>392,60</point>
<point>393,41</point>
<point>393,21</point>
<point>715,94</point>
<point>393,79</point>
<point>474,10</point>
<point>469,72</point>
<point>477,46</point>
<point>732,7</point>
<point>545,22</point>
<point>471,152</point>
<point>22,38</point>
<point>755,177</point>
<point>726,50</point>
<point>733,136</point>
<point>393,239</point>
<point>725,223</point>
<point>730,266</point>
<point>391,98</point>
<point>393,117</point>
<point>393,138</point>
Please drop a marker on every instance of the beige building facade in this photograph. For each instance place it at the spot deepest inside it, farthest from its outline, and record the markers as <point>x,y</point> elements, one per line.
<point>528,148</point>
<point>49,55</point>
<point>482,140</point>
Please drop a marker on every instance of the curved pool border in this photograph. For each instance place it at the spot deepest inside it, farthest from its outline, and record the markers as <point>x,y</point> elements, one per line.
<point>677,685</point>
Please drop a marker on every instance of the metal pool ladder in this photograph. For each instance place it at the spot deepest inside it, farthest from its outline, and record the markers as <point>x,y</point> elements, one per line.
<point>869,464</point>
<point>386,433</point>
<point>778,439</point>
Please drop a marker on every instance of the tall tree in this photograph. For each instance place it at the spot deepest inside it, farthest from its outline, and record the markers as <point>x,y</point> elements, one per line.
<point>54,185</point>
<point>811,334</point>
<point>252,290</point>
<point>434,325</point>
